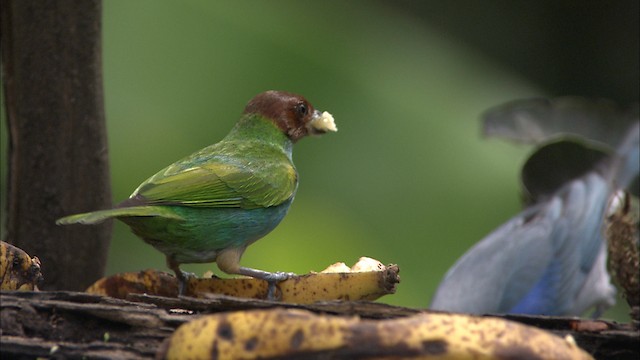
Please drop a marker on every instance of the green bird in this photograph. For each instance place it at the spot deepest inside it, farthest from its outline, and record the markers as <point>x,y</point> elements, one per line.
<point>211,205</point>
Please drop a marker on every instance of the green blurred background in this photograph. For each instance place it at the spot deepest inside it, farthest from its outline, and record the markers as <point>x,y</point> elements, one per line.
<point>408,178</point>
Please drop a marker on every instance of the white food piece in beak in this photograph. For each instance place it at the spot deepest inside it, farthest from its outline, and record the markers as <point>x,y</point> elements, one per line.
<point>323,122</point>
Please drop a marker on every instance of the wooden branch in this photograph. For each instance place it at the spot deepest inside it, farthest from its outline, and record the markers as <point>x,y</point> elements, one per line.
<point>70,324</point>
<point>52,67</point>
<point>74,325</point>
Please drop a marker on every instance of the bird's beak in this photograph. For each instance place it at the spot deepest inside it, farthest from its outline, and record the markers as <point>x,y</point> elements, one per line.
<point>321,123</point>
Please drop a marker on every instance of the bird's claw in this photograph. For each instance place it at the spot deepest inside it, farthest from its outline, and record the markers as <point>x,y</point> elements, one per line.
<point>183,279</point>
<point>274,278</point>
<point>278,276</point>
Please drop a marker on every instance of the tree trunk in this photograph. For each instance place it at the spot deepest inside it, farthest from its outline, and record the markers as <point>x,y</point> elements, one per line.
<point>51,57</point>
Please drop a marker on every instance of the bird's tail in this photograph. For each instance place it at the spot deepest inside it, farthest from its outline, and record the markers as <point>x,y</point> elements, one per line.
<point>627,166</point>
<point>99,216</point>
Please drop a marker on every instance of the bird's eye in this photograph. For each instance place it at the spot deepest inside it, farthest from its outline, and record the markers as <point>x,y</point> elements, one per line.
<point>302,109</point>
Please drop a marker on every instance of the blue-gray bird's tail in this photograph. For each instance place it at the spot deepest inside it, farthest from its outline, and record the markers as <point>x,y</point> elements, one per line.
<point>626,166</point>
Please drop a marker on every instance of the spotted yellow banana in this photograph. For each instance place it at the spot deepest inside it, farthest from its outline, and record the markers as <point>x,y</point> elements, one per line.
<point>292,333</point>
<point>368,279</point>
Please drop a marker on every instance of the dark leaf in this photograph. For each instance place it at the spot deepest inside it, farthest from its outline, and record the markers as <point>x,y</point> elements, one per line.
<point>554,164</point>
<point>534,121</point>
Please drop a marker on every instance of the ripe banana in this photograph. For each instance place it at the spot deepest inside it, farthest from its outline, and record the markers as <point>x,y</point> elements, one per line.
<point>17,270</point>
<point>292,333</point>
<point>368,279</point>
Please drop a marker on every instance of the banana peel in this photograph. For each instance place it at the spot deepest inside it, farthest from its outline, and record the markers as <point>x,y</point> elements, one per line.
<point>293,333</point>
<point>148,281</point>
<point>368,279</point>
<point>18,271</point>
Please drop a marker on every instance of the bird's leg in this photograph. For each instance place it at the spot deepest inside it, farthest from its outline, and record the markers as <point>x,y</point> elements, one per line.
<point>181,276</point>
<point>228,260</point>
<point>600,310</point>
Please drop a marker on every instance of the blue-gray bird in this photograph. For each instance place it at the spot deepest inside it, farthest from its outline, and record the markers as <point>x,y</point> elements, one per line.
<point>550,259</point>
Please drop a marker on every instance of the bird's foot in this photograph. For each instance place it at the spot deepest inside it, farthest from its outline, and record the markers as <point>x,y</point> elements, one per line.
<point>181,276</point>
<point>272,280</point>
<point>183,280</point>
<point>278,276</point>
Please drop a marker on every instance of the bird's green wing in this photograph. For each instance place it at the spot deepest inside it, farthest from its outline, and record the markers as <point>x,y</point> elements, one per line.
<point>224,177</point>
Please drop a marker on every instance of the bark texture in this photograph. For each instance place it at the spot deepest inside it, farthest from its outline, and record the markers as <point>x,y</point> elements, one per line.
<point>52,77</point>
